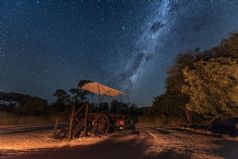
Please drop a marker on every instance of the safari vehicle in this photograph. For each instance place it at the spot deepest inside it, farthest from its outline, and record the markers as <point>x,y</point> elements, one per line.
<point>98,119</point>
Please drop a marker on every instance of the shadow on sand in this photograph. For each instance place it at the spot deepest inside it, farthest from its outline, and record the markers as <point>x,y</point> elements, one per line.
<point>227,149</point>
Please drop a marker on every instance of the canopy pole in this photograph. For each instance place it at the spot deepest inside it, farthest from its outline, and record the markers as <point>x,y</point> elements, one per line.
<point>86,119</point>
<point>99,97</point>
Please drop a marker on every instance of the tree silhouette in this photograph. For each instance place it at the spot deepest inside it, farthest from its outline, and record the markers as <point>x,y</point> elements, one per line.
<point>23,104</point>
<point>79,95</point>
<point>62,101</point>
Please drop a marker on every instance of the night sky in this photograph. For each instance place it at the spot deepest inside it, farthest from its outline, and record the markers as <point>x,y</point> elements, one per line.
<point>129,45</point>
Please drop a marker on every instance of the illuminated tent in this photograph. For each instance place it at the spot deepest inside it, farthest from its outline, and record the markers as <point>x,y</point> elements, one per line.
<point>101,89</point>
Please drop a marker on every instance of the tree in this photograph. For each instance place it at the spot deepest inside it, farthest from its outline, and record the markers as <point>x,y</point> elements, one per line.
<point>212,87</point>
<point>172,102</point>
<point>175,78</point>
<point>191,87</point>
<point>33,106</point>
<point>79,95</point>
<point>62,101</point>
<point>228,47</point>
<point>22,104</point>
<point>169,107</point>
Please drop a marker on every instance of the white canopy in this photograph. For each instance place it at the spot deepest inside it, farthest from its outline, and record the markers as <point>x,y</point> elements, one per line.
<point>101,89</point>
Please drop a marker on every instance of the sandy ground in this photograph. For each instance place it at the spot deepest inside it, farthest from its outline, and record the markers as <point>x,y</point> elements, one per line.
<point>33,141</point>
<point>185,144</point>
<point>149,143</point>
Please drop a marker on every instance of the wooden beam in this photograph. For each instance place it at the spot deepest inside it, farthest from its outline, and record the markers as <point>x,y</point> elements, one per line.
<point>80,109</point>
<point>86,119</point>
<point>56,127</point>
<point>71,123</point>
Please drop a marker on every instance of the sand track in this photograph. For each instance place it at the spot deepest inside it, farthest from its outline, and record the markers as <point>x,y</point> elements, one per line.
<point>149,143</point>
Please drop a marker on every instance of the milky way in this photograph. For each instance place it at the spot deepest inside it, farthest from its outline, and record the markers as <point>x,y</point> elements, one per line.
<point>128,45</point>
<point>156,25</point>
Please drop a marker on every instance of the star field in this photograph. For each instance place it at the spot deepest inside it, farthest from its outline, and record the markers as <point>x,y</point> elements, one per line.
<point>129,45</point>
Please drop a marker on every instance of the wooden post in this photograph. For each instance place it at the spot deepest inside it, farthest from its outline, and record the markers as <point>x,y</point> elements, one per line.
<point>124,123</point>
<point>56,127</point>
<point>71,123</point>
<point>86,119</point>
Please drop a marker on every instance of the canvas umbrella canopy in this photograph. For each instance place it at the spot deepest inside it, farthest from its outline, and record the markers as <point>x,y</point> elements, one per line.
<point>101,89</point>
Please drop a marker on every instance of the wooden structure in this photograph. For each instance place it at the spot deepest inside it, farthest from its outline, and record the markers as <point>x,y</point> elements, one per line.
<point>81,121</point>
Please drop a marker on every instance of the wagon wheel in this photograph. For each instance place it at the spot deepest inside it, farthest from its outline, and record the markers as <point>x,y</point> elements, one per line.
<point>101,124</point>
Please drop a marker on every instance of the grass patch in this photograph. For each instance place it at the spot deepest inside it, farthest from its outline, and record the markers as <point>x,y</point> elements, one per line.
<point>7,119</point>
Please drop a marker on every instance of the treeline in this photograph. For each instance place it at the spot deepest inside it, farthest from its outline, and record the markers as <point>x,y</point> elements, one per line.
<point>21,104</point>
<point>201,87</point>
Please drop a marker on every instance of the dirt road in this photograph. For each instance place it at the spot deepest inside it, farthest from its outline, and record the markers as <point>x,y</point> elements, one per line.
<point>150,143</point>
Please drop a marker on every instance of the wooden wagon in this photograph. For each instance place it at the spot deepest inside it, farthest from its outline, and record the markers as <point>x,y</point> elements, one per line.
<point>83,120</point>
